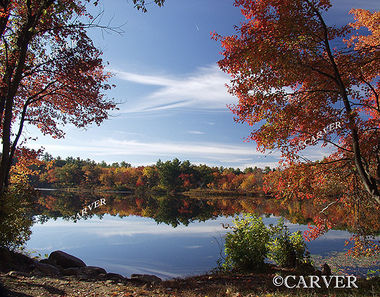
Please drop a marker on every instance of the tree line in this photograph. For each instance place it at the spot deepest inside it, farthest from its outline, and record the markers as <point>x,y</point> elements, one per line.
<point>169,176</point>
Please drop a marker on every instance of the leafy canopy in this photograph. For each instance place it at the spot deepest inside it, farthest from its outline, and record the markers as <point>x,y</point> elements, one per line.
<point>51,74</point>
<point>295,75</point>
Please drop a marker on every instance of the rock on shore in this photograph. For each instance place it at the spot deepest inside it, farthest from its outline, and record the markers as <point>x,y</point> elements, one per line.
<point>60,263</point>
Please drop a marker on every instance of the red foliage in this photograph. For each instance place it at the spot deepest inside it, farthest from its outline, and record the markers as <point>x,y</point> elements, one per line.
<point>51,72</point>
<point>292,85</point>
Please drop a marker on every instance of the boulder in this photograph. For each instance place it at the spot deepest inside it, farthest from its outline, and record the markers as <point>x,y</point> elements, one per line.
<point>46,268</point>
<point>83,277</point>
<point>92,270</point>
<point>46,261</point>
<point>64,260</point>
<point>10,260</point>
<point>146,278</point>
<point>71,271</point>
<point>84,272</point>
<point>114,276</point>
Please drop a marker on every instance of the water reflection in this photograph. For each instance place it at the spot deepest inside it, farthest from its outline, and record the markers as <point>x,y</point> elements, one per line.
<point>176,210</point>
<point>169,236</point>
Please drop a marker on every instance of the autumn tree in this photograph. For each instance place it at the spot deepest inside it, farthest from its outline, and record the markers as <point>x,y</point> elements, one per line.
<point>300,80</point>
<point>51,72</point>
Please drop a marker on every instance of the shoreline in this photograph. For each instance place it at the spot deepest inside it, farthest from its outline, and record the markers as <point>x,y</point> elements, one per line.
<point>192,193</point>
<point>28,277</point>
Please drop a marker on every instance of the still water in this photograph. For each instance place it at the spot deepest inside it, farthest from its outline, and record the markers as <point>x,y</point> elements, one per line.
<point>166,236</point>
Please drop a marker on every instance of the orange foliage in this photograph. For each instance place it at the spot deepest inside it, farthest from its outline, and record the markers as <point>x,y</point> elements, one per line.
<point>291,85</point>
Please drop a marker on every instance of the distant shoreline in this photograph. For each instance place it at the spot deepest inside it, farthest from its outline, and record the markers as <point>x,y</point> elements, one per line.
<point>193,193</point>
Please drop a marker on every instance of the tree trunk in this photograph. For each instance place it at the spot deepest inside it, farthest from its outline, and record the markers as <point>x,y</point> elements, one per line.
<point>368,181</point>
<point>13,85</point>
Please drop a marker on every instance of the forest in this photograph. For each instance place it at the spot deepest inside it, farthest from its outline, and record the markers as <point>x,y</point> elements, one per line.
<point>170,176</point>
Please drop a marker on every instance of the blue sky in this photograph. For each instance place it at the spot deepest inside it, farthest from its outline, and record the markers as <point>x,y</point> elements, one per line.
<point>172,95</point>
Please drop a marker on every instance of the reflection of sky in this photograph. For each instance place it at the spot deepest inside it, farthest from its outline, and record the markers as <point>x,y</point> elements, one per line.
<point>140,245</point>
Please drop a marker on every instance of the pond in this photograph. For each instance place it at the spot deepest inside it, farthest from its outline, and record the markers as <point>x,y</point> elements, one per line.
<point>169,236</point>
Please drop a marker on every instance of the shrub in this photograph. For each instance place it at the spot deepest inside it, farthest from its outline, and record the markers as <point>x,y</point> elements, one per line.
<point>286,249</point>
<point>251,242</point>
<point>15,216</point>
<point>246,246</point>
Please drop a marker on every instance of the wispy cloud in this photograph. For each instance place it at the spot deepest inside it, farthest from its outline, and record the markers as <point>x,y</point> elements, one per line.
<point>195,132</point>
<point>203,89</point>
<point>261,164</point>
<point>109,146</point>
<point>135,150</point>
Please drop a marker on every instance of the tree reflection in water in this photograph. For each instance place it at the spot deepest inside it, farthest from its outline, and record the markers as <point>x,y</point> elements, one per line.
<point>175,210</point>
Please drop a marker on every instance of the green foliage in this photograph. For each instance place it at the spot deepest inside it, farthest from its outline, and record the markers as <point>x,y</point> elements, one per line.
<point>246,246</point>
<point>15,216</point>
<point>32,253</point>
<point>251,242</point>
<point>372,273</point>
<point>286,249</point>
<point>69,174</point>
<point>168,173</point>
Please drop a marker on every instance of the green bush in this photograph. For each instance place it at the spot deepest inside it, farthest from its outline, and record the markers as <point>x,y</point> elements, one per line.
<point>251,242</point>
<point>15,216</point>
<point>245,247</point>
<point>286,249</point>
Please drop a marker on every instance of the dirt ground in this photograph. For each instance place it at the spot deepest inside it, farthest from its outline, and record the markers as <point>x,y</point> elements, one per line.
<point>234,285</point>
